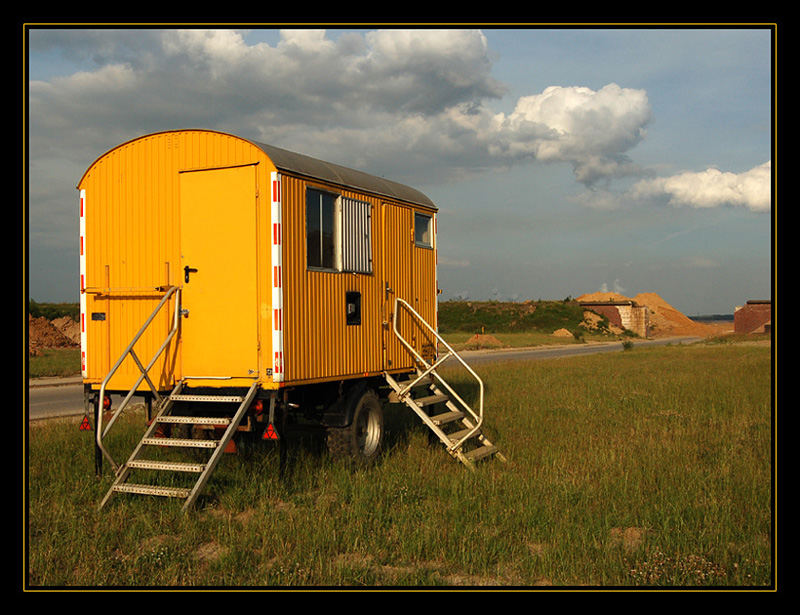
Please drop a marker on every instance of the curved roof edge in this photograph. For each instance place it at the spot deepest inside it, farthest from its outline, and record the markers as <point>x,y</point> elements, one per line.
<point>310,167</point>
<point>337,174</point>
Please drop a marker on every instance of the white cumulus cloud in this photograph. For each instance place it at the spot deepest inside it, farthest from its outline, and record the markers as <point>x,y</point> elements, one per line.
<point>711,188</point>
<point>590,129</point>
<point>358,98</point>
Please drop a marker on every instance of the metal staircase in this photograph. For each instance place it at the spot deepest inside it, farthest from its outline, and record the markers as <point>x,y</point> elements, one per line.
<point>151,439</point>
<point>458,426</point>
<point>166,417</point>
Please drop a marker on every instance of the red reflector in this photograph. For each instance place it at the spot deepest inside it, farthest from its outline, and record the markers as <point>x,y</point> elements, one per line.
<point>258,406</point>
<point>270,433</point>
<point>106,402</point>
<point>85,426</point>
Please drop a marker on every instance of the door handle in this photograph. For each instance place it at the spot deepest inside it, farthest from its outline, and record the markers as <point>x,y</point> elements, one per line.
<point>186,271</point>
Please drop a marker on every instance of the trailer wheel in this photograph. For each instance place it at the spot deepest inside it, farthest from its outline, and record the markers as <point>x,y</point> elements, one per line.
<point>362,440</point>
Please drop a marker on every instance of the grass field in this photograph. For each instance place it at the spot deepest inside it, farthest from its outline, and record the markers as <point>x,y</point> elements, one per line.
<point>647,468</point>
<point>55,362</point>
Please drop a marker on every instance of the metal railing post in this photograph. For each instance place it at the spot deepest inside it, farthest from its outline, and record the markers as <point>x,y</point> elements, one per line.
<point>431,368</point>
<point>100,434</point>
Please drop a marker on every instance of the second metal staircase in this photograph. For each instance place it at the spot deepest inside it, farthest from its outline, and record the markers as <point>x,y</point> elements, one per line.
<point>458,426</point>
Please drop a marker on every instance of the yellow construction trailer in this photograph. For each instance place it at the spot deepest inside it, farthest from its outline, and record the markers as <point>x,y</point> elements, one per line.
<point>236,286</point>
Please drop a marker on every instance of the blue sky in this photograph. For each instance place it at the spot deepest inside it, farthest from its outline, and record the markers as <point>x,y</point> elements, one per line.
<point>563,160</point>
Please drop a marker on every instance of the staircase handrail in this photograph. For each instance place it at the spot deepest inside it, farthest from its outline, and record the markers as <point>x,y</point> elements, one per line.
<point>431,368</point>
<point>100,434</point>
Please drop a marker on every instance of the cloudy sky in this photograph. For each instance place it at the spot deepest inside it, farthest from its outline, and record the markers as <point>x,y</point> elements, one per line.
<point>563,160</point>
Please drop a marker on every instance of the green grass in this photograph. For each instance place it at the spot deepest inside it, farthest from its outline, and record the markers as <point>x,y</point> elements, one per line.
<point>508,317</point>
<point>54,310</point>
<point>459,340</point>
<point>649,467</point>
<point>55,362</point>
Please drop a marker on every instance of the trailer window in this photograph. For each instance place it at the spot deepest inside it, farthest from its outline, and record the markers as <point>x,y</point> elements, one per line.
<point>320,231</point>
<point>356,236</point>
<point>423,235</point>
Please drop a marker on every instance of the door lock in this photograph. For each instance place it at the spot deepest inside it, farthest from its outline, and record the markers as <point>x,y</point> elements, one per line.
<point>186,271</point>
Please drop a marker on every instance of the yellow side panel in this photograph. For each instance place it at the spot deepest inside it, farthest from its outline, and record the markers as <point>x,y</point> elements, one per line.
<point>318,343</point>
<point>219,334</point>
<point>133,246</point>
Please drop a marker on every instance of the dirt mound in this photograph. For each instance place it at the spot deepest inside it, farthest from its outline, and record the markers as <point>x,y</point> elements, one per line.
<point>592,320</point>
<point>561,333</point>
<point>599,296</point>
<point>479,342</point>
<point>42,334</point>
<point>664,319</point>
<point>70,328</point>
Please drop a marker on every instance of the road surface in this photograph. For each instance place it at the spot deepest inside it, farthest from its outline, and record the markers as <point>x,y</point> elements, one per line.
<point>53,397</point>
<point>552,352</point>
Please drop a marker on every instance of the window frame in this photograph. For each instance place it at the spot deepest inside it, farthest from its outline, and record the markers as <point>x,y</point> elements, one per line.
<point>340,234</point>
<point>320,266</point>
<point>420,243</point>
<point>356,256</point>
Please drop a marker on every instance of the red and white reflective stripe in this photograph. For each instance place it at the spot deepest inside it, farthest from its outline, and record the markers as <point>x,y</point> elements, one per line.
<point>435,273</point>
<point>82,259</point>
<point>277,279</point>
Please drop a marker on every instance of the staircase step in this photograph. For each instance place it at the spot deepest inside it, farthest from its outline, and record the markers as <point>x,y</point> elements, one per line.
<point>174,466</point>
<point>194,420</point>
<point>446,417</point>
<point>426,381</point>
<point>204,469</point>
<point>480,453</point>
<point>180,442</point>
<point>457,435</point>
<point>170,492</point>
<point>430,400</point>
<point>210,398</point>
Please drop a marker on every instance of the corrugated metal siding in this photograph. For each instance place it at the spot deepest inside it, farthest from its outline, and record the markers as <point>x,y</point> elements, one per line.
<point>132,246</point>
<point>318,343</point>
<point>397,267</point>
<point>132,243</point>
<point>425,298</point>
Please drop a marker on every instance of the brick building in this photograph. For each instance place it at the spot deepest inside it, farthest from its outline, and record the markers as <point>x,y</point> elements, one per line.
<point>753,317</point>
<point>626,314</point>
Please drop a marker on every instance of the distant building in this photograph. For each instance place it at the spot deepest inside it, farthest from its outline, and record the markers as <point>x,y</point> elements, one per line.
<point>626,314</point>
<point>753,317</point>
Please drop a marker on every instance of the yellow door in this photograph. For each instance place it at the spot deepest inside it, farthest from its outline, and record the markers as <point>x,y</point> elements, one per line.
<point>397,243</point>
<point>219,329</point>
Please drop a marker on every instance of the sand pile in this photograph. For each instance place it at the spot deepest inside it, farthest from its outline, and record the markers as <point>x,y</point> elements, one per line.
<point>664,319</point>
<point>592,320</point>
<point>561,333</point>
<point>603,297</point>
<point>479,342</point>
<point>70,328</point>
<point>43,334</point>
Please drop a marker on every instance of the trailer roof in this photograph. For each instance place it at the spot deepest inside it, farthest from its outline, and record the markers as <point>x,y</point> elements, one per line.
<point>327,171</point>
<point>314,168</point>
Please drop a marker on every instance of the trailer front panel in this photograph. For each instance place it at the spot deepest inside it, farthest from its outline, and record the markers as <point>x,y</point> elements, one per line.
<point>288,267</point>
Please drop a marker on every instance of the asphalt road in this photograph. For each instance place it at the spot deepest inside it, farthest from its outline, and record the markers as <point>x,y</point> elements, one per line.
<point>53,397</point>
<point>552,352</point>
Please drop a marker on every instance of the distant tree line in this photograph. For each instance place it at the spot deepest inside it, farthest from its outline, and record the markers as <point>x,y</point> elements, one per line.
<point>52,311</point>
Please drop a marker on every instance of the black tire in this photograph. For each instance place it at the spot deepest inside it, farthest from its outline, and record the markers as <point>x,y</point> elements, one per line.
<point>362,440</point>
